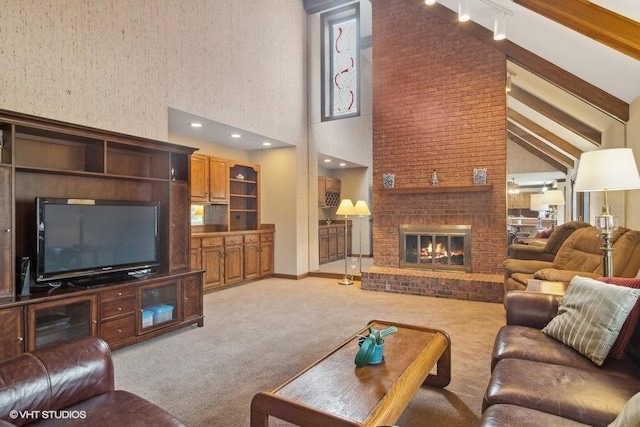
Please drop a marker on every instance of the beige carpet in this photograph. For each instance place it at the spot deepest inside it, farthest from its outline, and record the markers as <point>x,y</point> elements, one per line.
<point>259,334</point>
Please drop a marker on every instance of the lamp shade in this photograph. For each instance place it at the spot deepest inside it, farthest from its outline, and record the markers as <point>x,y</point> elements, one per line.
<point>361,208</point>
<point>346,207</point>
<point>553,198</point>
<point>536,203</point>
<point>605,170</point>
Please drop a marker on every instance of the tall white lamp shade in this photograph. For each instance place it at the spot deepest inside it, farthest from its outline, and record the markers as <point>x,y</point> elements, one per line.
<point>361,210</point>
<point>607,170</point>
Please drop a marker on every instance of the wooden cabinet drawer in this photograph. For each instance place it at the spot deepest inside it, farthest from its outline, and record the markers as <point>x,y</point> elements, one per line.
<point>117,308</point>
<point>196,243</point>
<point>233,240</point>
<point>210,242</point>
<point>117,293</point>
<point>266,237</point>
<point>251,238</point>
<point>118,329</point>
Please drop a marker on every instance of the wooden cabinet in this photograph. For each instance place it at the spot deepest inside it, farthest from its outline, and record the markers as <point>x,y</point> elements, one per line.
<point>41,157</point>
<point>12,327</point>
<point>209,181</point>
<point>179,230</point>
<point>6,233</point>
<point>328,192</point>
<point>233,259</point>
<point>323,239</point>
<point>62,320</point>
<point>229,258</point>
<point>118,316</point>
<point>332,239</point>
<point>266,254</point>
<point>519,201</point>
<point>192,307</point>
<point>244,196</point>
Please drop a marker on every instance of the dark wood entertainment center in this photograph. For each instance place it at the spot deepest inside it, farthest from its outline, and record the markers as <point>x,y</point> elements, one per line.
<point>45,158</point>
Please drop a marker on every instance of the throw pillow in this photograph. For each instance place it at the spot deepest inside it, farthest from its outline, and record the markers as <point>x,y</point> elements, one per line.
<point>590,316</point>
<point>630,415</point>
<point>629,326</point>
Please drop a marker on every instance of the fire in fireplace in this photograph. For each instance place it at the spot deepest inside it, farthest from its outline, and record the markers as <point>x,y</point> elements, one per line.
<point>436,247</point>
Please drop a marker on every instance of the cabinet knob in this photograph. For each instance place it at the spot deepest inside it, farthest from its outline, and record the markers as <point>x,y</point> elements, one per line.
<point>8,230</point>
<point>119,331</point>
<point>119,294</point>
<point>186,299</point>
<point>20,339</point>
<point>119,308</point>
<point>94,321</point>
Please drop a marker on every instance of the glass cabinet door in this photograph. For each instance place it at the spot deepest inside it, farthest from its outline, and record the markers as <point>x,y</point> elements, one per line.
<point>65,320</point>
<point>158,305</point>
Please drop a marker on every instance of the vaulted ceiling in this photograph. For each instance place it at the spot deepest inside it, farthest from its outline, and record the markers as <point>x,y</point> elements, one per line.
<point>573,68</point>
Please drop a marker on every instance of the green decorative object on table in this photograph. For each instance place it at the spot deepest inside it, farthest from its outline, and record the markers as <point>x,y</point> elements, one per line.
<point>372,346</point>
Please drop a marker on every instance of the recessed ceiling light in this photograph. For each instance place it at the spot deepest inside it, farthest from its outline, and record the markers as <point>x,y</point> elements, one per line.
<point>195,125</point>
<point>266,144</point>
<point>235,135</point>
<point>343,164</point>
<point>327,160</point>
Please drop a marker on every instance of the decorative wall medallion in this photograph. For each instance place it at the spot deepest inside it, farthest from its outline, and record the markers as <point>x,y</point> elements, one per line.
<point>389,180</point>
<point>480,175</point>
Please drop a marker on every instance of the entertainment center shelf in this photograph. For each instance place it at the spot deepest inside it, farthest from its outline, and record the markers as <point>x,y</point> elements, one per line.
<point>41,158</point>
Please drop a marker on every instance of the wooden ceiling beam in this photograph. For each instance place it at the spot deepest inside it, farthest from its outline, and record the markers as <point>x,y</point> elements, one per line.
<point>534,151</point>
<point>540,145</point>
<point>591,20</point>
<point>544,134</point>
<point>552,112</point>
<point>537,65</point>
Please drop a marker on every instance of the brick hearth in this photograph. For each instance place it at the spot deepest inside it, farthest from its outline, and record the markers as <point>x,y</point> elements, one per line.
<point>443,284</point>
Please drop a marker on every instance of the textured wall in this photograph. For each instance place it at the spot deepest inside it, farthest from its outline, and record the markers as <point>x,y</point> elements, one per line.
<point>118,64</point>
<point>438,103</point>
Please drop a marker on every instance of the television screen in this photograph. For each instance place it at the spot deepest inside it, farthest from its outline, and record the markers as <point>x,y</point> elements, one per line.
<point>79,238</point>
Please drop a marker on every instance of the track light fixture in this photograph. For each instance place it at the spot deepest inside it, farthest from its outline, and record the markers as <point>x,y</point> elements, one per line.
<point>464,11</point>
<point>500,27</point>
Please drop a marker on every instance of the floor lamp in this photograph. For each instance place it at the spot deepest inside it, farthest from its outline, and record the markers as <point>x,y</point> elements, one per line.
<point>362,210</point>
<point>346,208</point>
<point>607,170</point>
<point>553,198</point>
<point>536,204</point>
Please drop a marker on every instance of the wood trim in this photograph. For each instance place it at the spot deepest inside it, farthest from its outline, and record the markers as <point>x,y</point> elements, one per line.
<point>441,189</point>
<point>539,148</point>
<point>552,112</point>
<point>537,65</point>
<point>543,133</point>
<point>591,20</point>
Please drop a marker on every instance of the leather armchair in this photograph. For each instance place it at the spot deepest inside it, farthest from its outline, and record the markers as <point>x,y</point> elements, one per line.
<point>580,254</point>
<point>71,384</point>
<point>550,248</point>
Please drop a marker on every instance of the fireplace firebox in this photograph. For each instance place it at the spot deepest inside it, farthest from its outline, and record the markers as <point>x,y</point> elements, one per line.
<point>436,247</point>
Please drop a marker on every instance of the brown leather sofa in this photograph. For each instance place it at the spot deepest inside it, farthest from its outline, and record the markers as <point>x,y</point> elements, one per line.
<point>580,254</point>
<point>538,381</point>
<point>71,384</point>
<point>551,246</point>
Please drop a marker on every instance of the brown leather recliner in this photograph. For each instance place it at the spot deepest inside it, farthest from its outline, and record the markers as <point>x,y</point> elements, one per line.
<point>580,254</point>
<point>71,384</point>
<point>548,251</point>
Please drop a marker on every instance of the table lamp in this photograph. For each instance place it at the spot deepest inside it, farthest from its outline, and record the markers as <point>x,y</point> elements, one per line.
<point>346,208</point>
<point>362,210</point>
<point>607,170</point>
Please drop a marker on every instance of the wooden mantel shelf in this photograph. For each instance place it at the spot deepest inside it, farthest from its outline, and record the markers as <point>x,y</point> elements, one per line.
<point>441,189</point>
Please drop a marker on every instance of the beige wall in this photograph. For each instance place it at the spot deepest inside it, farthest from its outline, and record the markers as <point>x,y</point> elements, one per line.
<point>633,142</point>
<point>118,65</point>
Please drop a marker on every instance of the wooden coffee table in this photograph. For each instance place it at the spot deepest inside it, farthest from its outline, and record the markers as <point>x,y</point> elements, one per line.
<point>334,392</point>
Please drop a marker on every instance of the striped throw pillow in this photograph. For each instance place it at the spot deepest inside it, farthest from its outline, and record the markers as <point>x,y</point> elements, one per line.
<point>591,315</point>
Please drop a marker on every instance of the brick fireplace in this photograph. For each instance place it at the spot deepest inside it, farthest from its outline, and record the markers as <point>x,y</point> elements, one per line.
<point>438,104</point>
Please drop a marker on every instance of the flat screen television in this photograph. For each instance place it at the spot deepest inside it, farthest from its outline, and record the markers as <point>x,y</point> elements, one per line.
<point>82,241</point>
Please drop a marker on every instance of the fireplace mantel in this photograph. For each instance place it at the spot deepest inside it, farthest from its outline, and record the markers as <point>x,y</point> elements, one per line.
<point>441,189</point>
